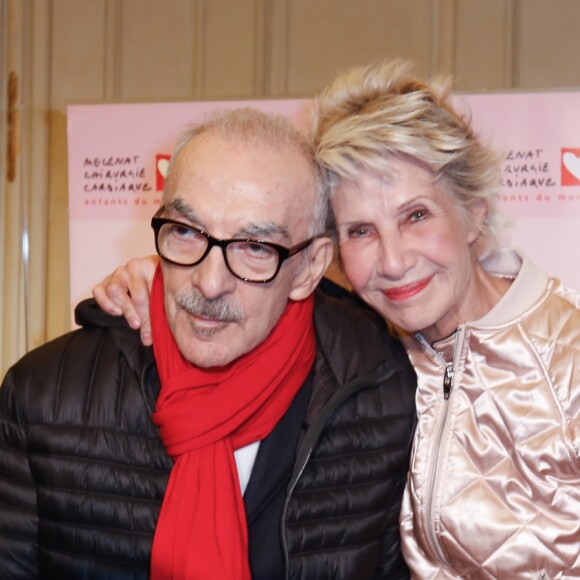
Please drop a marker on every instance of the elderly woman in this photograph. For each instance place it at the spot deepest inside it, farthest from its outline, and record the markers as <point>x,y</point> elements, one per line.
<point>494,482</point>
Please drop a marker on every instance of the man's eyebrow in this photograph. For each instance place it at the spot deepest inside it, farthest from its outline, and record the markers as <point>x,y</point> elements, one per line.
<point>179,206</point>
<point>264,230</point>
<point>254,230</point>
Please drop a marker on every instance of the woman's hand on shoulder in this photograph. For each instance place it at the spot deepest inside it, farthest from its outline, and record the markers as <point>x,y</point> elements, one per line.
<point>126,292</point>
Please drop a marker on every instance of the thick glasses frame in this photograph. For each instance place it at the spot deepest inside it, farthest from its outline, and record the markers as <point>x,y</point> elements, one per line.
<point>283,252</point>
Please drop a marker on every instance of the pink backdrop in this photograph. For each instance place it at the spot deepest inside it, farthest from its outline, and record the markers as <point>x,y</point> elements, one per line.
<point>118,155</point>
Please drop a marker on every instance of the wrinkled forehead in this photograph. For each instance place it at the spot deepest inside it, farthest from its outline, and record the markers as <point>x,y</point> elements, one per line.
<point>238,157</point>
<point>247,181</point>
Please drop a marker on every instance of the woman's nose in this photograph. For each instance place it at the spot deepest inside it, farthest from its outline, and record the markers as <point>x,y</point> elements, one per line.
<point>393,258</point>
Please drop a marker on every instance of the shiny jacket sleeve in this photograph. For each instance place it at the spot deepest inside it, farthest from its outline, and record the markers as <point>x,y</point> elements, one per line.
<point>18,517</point>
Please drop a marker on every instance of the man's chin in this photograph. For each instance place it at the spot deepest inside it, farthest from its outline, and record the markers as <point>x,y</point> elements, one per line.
<point>206,360</point>
<point>204,329</point>
<point>208,348</point>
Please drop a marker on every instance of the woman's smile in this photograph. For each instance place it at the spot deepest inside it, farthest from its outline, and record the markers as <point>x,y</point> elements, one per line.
<point>407,291</point>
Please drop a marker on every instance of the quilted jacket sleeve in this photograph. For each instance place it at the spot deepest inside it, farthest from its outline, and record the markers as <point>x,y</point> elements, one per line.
<point>392,565</point>
<point>18,520</point>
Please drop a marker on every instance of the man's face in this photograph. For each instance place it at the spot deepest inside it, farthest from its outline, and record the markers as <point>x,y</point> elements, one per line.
<point>233,189</point>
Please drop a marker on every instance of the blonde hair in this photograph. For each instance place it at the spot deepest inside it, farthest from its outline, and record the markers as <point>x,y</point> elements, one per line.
<point>369,114</point>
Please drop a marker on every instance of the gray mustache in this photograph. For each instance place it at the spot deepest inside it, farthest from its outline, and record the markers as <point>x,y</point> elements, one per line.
<point>217,309</point>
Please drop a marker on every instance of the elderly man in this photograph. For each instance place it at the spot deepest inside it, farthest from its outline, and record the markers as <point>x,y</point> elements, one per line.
<point>267,432</point>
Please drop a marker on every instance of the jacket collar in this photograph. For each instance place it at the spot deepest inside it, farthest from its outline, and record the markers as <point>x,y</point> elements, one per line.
<point>529,284</point>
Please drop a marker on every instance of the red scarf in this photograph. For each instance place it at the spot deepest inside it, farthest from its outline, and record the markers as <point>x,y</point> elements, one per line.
<point>203,415</point>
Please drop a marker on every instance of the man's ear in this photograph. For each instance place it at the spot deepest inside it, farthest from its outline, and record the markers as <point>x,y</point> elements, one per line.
<point>307,277</point>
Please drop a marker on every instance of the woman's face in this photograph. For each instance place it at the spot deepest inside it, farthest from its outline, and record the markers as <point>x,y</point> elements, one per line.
<point>407,251</point>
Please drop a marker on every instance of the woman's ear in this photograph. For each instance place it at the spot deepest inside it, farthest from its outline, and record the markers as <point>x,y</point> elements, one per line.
<point>309,275</point>
<point>477,215</point>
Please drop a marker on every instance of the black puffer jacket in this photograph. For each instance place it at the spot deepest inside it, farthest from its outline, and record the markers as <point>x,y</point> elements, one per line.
<point>83,470</point>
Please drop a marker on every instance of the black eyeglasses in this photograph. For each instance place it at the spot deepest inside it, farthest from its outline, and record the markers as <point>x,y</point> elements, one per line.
<point>247,259</point>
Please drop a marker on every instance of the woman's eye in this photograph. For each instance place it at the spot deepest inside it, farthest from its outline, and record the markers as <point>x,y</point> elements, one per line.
<point>357,232</point>
<point>418,215</point>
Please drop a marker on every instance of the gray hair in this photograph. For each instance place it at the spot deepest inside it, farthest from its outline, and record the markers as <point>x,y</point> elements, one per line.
<point>252,126</point>
<point>370,114</point>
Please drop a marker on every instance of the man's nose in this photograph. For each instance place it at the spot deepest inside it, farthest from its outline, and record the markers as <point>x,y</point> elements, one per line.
<point>211,276</point>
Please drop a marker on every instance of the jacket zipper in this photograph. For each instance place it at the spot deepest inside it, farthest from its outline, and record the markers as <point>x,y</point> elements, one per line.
<point>447,380</point>
<point>310,440</point>
<point>432,479</point>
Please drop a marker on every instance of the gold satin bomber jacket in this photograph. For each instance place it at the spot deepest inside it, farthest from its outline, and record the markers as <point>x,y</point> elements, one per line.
<point>494,481</point>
